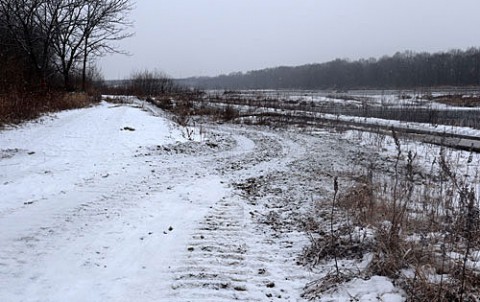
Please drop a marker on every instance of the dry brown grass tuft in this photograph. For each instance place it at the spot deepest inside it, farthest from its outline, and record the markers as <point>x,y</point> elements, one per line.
<point>17,107</point>
<point>359,202</point>
<point>328,283</point>
<point>458,100</point>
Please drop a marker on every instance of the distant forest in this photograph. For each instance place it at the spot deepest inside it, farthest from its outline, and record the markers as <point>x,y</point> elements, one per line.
<point>401,71</point>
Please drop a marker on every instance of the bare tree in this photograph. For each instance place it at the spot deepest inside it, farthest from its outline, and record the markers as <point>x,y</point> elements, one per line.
<point>105,22</point>
<point>30,31</point>
<point>67,42</point>
<point>88,27</point>
<point>64,34</point>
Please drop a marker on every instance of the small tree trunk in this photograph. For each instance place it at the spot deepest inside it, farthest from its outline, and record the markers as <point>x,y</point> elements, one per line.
<point>67,82</point>
<point>84,67</point>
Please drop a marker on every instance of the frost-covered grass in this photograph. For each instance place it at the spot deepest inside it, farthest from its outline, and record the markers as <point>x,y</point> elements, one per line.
<point>416,212</point>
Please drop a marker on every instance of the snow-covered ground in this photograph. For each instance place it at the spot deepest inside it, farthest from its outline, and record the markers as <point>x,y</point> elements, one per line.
<point>409,99</point>
<point>114,203</point>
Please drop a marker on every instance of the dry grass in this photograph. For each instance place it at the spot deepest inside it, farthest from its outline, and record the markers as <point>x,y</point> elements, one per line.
<point>16,107</point>
<point>426,234</point>
<point>458,100</point>
<point>186,105</point>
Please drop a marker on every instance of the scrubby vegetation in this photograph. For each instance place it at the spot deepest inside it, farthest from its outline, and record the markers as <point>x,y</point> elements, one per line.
<point>16,107</point>
<point>415,218</point>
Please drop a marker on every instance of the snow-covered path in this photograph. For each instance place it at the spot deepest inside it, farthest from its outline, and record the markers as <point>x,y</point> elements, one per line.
<point>93,211</point>
<point>113,203</point>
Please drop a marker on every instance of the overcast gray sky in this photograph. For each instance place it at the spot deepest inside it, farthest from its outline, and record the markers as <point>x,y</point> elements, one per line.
<point>209,37</point>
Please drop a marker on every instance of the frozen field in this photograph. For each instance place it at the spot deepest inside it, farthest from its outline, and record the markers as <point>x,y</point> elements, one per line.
<point>114,203</point>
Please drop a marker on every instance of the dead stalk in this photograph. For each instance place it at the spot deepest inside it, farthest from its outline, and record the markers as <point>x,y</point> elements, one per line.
<point>332,233</point>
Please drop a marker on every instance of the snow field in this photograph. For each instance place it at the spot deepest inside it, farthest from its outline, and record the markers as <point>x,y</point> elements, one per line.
<point>113,203</point>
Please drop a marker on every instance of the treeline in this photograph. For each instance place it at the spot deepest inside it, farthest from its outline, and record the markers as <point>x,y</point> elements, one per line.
<point>48,49</point>
<point>52,43</point>
<point>400,71</point>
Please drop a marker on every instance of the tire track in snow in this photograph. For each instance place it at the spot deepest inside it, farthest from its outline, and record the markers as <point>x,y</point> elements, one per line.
<point>229,257</point>
<point>108,222</point>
